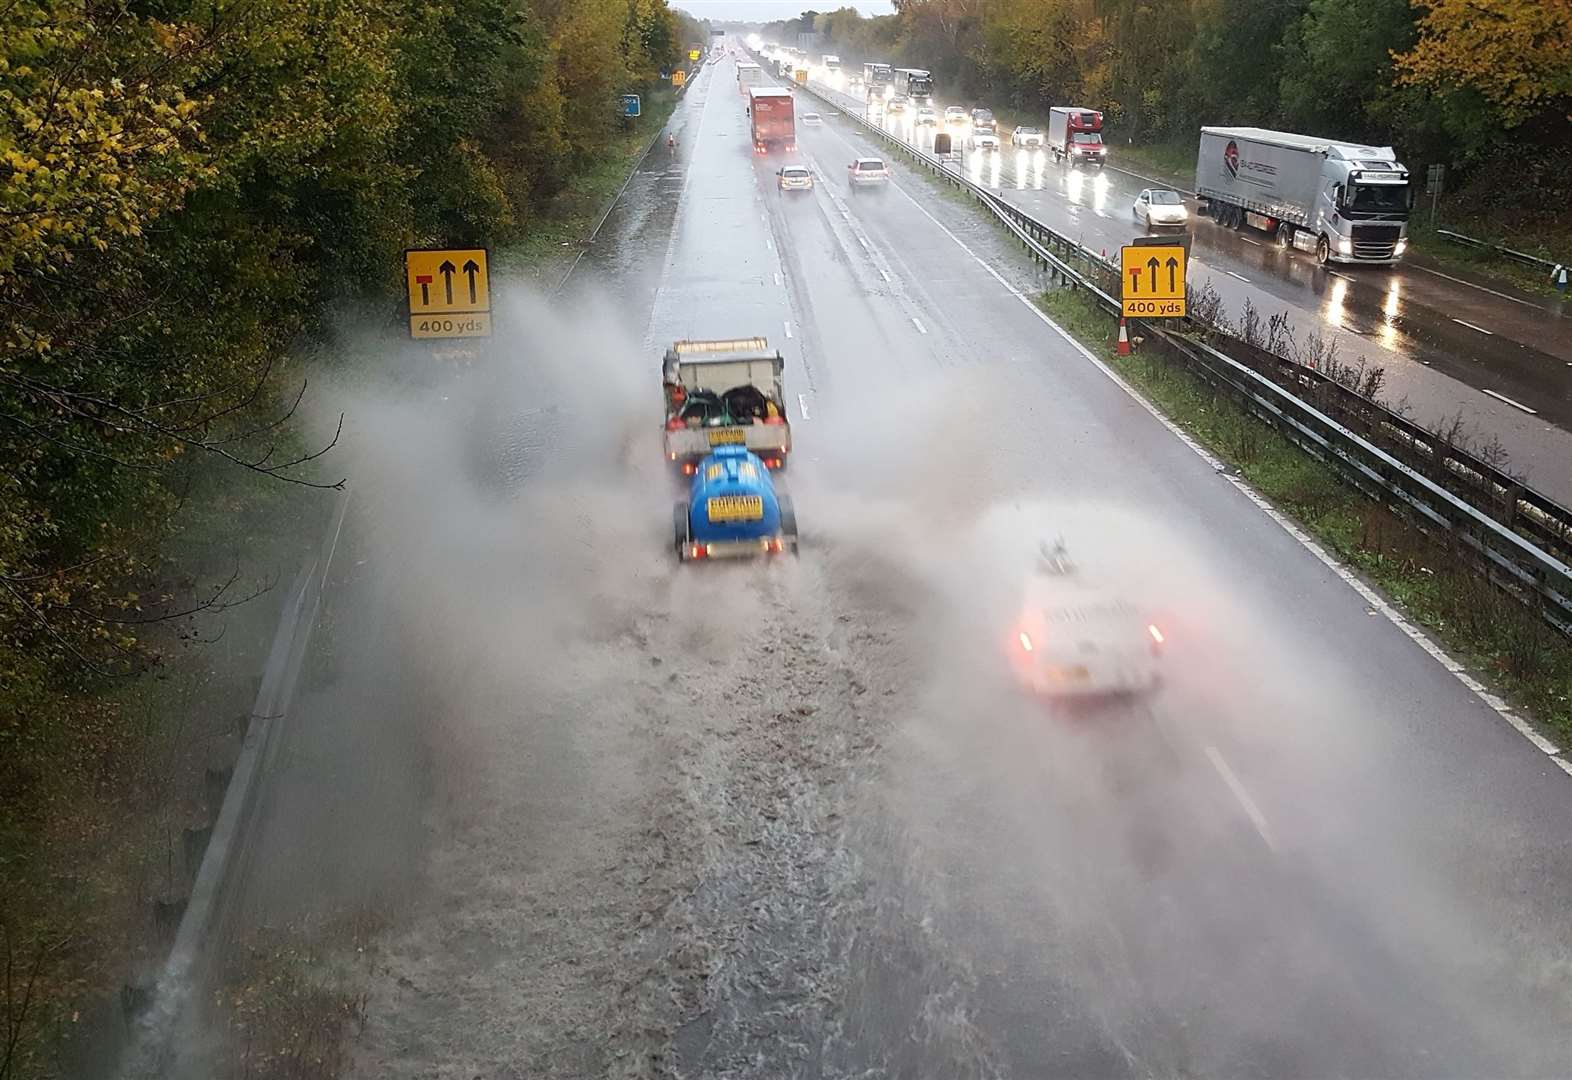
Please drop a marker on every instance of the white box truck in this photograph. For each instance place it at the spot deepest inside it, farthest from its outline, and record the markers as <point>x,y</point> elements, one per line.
<point>1345,202</point>
<point>748,75</point>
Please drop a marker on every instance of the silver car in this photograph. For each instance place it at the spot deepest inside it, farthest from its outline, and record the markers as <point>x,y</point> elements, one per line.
<point>868,172</point>
<point>1029,137</point>
<point>795,178</point>
<point>1159,208</point>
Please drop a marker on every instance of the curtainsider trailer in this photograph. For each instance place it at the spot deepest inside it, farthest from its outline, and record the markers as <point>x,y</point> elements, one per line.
<point>1344,202</point>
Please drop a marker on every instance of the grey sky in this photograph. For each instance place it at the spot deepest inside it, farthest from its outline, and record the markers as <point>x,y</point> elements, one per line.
<point>762,11</point>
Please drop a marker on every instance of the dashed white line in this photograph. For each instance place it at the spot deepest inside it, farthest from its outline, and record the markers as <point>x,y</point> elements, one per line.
<point>863,242</point>
<point>1241,277</point>
<point>1349,578</point>
<point>1471,285</point>
<point>788,328</point>
<point>777,279</point>
<point>921,329</point>
<point>885,274</point>
<point>1252,811</point>
<point>1514,404</point>
<point>802,405</point>
<point>769,244</point>
<point>1471,326</point>
<point>1345,277</point>
<point>1254,243</point>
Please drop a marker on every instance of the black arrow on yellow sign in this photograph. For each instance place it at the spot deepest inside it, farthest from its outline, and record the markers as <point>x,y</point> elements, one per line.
<point>446,270</point>
<point>471,268</point>
<point>1173,281</point>
<point>1152,264</point>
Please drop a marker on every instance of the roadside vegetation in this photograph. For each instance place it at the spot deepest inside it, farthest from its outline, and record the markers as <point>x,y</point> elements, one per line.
<point>1480,86</point>
<point>1502,642</point>
<point>187,191</point>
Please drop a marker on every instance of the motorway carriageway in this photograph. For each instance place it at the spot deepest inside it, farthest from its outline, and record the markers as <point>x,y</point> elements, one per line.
<point>1504,362</point>
<point>794,818</point>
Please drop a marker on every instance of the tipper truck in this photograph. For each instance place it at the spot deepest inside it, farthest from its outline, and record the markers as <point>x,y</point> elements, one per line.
<point>725,393</point>
<point>772,117</point>
<point>1345,202</point>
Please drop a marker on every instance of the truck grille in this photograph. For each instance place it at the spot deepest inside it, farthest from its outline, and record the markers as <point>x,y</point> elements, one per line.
<point>1376,241</point>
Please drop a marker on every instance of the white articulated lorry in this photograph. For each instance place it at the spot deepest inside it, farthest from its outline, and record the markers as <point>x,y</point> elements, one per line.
<point>1345,202</point>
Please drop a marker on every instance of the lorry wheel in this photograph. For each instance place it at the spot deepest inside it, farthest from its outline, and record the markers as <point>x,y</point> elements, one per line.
<point>1323,251</point>
<point>1285,236</point>
<point>788,514</point>
<point>680,530</point>
<point>1240,221</point>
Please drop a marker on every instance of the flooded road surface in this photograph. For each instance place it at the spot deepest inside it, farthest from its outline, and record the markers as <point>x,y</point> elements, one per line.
<point>624,817</point>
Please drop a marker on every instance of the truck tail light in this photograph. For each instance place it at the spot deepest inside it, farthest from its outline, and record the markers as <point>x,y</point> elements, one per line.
<point>675,424</point>
<point>689,468</point>
<point>699,551</point>
<point>775,546</point>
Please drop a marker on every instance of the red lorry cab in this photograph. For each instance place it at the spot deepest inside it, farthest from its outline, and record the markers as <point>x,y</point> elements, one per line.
<point>773,119</point>
<point>1076,134</point>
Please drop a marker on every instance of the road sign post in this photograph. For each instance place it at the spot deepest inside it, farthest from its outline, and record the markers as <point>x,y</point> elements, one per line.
<point>1151,280</point>
<point>630,105</point>
<point>449,292</point>
<point>1435,179</point>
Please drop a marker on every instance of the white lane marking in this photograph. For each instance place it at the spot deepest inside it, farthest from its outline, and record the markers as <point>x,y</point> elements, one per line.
<point>921,329</point>
<point>1566,766</point>
<point>769,243</point>
<point>1241,277</point>
<point>802,405</point>
<point>1471,326</point>
<point>777,279</point>
<point>864,243</point>
<point>1247,240</point>
<point>885,274</point>
<point>1349,578</point>
<point>1471,285</point>
<point>1252,811</point>
<point>788,329</point>
<point>1345,277</point>
<point>1514,404</point>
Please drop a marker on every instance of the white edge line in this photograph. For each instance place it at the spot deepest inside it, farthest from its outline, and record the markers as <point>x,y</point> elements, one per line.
<point>1509,401</point>
<point>1241,277</point>
<point>1471,326</point>
<point>1471,285</point>
<point>1566,766</point>
<point>1252,811</point>
<point>921,329</point>
<point>802,405</point>
<point>1369,595</point>
<point>788,329</point>
<point>777,279</point>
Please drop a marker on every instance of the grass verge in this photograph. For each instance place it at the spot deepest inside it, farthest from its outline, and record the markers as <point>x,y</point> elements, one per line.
<point>1172,163</point>
<point>1426,241</point>
<point>553,239</point>
<point>1493,635</point>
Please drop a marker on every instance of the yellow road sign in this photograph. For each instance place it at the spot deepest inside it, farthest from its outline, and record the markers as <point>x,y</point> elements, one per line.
<point>693,54</point>
<point>449,292</point>
<point>1152,281</point>
<point>474,324</point>
<point>678,77</point>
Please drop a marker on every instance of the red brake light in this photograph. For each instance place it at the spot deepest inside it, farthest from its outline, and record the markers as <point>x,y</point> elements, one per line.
<point>700,551</point>
<point>689,468</point>
<point>675,424</point>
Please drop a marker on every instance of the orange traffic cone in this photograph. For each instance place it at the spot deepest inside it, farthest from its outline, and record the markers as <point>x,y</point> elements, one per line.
<point>1124,339</point>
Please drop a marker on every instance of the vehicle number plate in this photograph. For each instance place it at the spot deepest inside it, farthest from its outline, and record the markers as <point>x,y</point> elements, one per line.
<point>727,436</point>
<point>735,508</point>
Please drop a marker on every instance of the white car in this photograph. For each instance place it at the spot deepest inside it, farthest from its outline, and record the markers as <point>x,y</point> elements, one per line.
<point>983,140</point>
<point>868,172</point>
<point>812,119</point>
<point>955,116</point>
<point>1160,208</point>
<point>927,116</point>
<point>1028,137</point>
<point>795,178</point>
<point>895,104</point>
<point>1078,638</point>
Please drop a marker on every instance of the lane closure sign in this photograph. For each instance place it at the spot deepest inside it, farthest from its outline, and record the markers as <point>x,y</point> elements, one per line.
<point>449,292</point>
<point>1151,279</point>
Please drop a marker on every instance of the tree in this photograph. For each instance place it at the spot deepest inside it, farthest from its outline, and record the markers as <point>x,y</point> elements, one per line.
<point>1516,54</point>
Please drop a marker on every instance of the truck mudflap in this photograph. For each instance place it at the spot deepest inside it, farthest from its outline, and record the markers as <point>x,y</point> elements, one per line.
<point>689,446</point>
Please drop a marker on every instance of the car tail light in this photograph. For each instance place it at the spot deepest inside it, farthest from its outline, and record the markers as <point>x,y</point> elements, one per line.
<point>1026,641</point>
<point>689,468</point>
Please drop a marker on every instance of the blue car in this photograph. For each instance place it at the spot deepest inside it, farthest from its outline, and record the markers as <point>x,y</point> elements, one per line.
<point>733,511</point>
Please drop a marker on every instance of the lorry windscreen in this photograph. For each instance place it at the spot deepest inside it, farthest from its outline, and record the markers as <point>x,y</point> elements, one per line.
<point>1086,137</point>
<point>1378,198</point>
